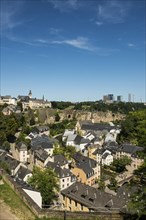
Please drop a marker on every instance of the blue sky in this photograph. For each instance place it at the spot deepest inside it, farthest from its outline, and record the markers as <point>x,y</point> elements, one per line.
<point>73,50</point>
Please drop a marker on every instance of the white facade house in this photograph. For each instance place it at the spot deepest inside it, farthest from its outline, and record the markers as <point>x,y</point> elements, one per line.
<point>8,100</point>
<point>112,135</point>
<point>64,175</point>
<point>67,133</point>
<point>66,180</point>
<point>107,158</point>
<point>71,140</point>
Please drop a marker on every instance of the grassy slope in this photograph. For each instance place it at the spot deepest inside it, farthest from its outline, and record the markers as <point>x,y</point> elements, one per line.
<point>15,203</point>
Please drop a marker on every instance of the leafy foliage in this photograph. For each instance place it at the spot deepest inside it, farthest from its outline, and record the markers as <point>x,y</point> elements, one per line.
<point>138,199</point>
<point>9,125</point>
<point>59,128</point>
<point>46,182</point>
<point>133,128</point>
<point>119,165</point>
<point>67,151</point>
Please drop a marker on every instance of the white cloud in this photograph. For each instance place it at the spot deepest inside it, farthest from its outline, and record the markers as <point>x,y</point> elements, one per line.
<point>113,11</point>
<point>131,45</point>
<point>80,42</point>
<point>65,5</point>
<point>54,31</point>
<point>99,23</point>
<point>9,13</point>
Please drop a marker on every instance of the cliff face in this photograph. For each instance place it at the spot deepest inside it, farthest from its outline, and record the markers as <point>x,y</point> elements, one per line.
<point>48,115</point>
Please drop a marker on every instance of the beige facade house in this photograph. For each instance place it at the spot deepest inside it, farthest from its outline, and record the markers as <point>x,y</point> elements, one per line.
<point>85,169</point>
<point>81,197</point>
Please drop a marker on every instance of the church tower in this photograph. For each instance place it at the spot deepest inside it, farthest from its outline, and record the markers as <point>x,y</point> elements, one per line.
<point>30,94</point>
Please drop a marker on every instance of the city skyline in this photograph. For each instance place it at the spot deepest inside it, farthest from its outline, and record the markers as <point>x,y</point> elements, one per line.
<point>73,50</point>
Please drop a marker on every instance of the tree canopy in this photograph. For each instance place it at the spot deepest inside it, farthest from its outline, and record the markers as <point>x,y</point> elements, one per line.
<point>119,165</point>
<point>138,199</point>
<point>45,181</point>
<point>133,128</point>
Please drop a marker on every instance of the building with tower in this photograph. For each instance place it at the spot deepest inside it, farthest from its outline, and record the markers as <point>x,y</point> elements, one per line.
<point>33,103</point>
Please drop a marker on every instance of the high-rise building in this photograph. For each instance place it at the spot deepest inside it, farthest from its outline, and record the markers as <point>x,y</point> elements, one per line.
<point>129,97</point>
<point>119,98</point>
<point>108,98</point>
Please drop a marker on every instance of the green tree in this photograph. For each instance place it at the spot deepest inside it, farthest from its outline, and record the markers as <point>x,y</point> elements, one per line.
<point>46,182</point>
<point>133,128</point>
<point>101,184</point>
<point>119,165</point>
<point>138,199</point>
<point>57,117</point>
<point>5,166</point>
<point>113,183</point>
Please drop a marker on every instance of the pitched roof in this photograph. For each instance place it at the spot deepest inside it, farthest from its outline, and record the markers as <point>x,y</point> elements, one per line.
<point>21,146</point>
<point>22,172</point>
<point>41,154</point>
<point>60,159</point>
<point>11,161</point>
<point>88,196</point>
<point>98,200</point>
<point>131,149</point>
<point>61,172</point>
<point>96,126</point>
<point>42,141</point>
<point>85,163</point>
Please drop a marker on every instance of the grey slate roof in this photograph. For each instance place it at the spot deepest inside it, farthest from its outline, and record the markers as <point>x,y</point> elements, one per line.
<point>23,98</point>
<point>95,199</point>
<point>21,146</point>
<point>41,154</point>
<point>130,149</point>
<point>22,172</point>
<point>12,162</point>
<point>24,185</point>
<point>85,163</point>
<point>60,159</point>
<point>61,173</point>
<point>42,141</point>
<point>96,126</point>
<point>39,129</point>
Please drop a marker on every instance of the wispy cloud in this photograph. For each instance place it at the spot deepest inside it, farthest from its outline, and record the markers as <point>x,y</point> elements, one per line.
<point>54,31</point>
<point>65,5</point>
<point>131,45</point>
<point>113,11</point>
<point>80,42</point>
<point>99,23</point>
<point>9,13</point>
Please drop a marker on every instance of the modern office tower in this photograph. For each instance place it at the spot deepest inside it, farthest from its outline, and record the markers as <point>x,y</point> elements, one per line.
<point>129,97</point>
<point>105,98</point>
<point>108,98</point>
<point>119,98</point>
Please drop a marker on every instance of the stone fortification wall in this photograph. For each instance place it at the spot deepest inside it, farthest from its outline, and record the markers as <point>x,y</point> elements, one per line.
<point>48,115</point>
